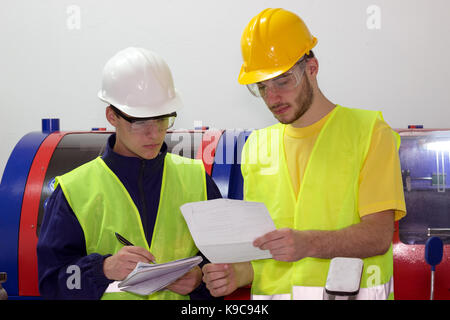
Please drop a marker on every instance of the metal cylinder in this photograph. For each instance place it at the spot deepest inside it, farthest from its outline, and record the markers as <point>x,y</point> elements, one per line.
<point>50,125</point>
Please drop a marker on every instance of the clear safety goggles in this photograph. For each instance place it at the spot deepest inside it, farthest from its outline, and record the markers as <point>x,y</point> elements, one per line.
<point>161,123</point>
<point>283,83</point>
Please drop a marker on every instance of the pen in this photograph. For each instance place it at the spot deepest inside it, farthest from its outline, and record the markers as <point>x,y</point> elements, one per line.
<point>123,241</point>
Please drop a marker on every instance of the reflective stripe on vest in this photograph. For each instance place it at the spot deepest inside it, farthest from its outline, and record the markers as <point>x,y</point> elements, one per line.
<point>103,206</point>
<point>327,200</point>
<point>380,292</point>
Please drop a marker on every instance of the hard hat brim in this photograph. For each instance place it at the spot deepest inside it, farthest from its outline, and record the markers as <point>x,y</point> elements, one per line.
<point>172,105</point>
<point>260,75</point>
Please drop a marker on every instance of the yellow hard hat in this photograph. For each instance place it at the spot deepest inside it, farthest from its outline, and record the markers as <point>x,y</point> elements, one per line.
<point>272,42</point>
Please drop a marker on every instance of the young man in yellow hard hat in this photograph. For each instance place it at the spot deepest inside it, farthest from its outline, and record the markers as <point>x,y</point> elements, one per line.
<point>135,190</point>
<point>329,175</point>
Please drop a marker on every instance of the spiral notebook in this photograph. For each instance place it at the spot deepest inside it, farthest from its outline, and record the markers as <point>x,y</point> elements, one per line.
<point>148,278</point>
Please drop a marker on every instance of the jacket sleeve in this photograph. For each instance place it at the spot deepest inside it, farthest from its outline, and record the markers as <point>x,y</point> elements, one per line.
<point>65,270</point>
<point>212,190</point>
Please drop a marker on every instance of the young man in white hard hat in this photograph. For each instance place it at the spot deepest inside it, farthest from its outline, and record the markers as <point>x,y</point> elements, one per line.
<point>329,175</point>
<point>135,190</point>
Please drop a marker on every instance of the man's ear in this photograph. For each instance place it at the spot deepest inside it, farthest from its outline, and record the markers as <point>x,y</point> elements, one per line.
<point>111,116</point>
<point>312,67</point>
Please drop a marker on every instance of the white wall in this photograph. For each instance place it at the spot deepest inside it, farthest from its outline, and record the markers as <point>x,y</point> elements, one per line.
<point>51,68</point>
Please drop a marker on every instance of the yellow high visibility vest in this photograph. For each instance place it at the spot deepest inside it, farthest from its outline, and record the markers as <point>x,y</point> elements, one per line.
<point>103,206</point>
<point>327,200</point>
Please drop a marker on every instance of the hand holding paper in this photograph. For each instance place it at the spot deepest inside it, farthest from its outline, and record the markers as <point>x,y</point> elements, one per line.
<point>224,229</point>
<point>188,282</point>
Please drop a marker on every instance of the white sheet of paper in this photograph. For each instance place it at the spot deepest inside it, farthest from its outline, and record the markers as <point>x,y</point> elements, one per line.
<point>224,229</point>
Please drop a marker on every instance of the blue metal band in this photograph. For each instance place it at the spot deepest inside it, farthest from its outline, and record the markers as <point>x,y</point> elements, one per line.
<point>226,170</point>
<point>12,188</point>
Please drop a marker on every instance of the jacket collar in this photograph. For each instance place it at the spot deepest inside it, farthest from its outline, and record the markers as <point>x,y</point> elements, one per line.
<point>132,166</point>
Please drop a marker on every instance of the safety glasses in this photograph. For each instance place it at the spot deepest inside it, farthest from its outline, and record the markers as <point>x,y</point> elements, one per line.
<point>162,123</point>
<point>281,84</point>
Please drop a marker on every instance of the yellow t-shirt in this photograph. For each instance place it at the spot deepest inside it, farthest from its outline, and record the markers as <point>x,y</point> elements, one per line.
<point>380,182</point>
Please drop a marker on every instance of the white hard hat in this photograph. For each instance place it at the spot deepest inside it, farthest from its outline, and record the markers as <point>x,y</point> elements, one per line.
<point>139,83</point>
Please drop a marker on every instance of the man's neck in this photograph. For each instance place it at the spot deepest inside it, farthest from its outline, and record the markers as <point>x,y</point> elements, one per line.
<point>319,108</point>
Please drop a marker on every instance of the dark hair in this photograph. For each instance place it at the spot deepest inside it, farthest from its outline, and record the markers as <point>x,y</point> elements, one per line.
<point>310,55</point>
<point>306,57</point>
<point>116,111</point>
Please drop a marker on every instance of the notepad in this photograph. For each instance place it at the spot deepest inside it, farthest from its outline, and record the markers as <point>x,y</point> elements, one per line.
<point>224,229</point>
<point>148,278</point>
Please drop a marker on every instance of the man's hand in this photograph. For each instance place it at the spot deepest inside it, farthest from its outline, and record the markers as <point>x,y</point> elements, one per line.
<point>187,283</point>
<point>370,237</point>
<point>118,266</point>
<point>223,279</point>
<point>284,244</point>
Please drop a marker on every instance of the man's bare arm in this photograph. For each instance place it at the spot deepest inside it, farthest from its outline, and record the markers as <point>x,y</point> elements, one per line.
<point>371,237</point>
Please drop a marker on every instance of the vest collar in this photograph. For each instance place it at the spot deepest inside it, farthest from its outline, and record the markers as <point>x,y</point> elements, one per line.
<point>310,130</point>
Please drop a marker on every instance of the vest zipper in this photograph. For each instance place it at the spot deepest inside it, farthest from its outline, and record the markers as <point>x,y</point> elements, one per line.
<point>142,198</point>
